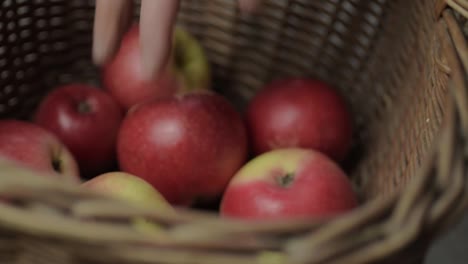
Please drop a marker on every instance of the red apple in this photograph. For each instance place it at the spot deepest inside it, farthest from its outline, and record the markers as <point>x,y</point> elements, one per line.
<point>288,183</point>
<point>187,146</point>
<point>188,70</point>
<point>86,119</point>
<point>299,112</point>
<point>33,147</point>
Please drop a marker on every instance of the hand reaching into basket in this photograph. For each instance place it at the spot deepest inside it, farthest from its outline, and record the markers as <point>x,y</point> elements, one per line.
<point>157,17</point>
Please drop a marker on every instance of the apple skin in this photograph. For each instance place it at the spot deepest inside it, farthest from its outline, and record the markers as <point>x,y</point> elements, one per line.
<point>187,70</point>
<point>288,183</point>
<point>187,146</point>
<point>299,112</point>
<point>134,190</point>
<point>32,147</point>
<point>86,119</point>
<point>129,188</point>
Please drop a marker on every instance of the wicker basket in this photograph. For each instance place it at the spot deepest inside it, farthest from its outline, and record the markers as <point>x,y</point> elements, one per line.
<point>402,66</point>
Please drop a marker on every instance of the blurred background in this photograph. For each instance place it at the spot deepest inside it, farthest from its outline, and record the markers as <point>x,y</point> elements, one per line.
<point>452,248</point>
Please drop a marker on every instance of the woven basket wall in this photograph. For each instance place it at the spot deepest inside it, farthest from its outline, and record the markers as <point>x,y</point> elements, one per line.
<point>402,66</point>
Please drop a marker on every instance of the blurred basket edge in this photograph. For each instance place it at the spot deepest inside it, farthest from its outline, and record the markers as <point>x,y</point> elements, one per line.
<point>56,223</point>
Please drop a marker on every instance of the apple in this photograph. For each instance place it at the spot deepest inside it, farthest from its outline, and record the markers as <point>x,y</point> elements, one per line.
<point>134,190</point>
<point>86,119</point>
<point>129,188</point>
<point>30,146</point>
<point>299,112</point>
<point>187,146</point>
<point>188,70</point>
<point>288,183</point>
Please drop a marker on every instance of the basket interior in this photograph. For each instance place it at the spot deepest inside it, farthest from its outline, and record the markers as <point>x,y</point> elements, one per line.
<point>382,55</point>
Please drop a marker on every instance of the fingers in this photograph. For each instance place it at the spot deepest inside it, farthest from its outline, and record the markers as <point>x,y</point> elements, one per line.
<point>157,20</point>
<point>249,5</point>
<point>112,18</point>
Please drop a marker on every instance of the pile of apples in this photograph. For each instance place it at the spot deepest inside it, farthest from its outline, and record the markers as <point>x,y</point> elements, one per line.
<point>175,142</point>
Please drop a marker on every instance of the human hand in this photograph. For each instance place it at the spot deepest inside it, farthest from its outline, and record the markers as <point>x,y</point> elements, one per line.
<point>157,17</point>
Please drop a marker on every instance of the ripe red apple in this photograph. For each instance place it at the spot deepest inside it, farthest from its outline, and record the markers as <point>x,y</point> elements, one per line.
<point>33,147</point>
<point>86,119</point>
<point>299,112</point>
<point>288,183</point>
<point>188,70</point>
<point>187,146</point>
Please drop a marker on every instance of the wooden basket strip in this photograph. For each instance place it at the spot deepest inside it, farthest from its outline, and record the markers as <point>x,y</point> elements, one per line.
<point>461,6</point>
<point>458,59</point>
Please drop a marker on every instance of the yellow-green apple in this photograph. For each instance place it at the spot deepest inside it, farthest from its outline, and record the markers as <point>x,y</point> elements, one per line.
<point>288,183</point>
<point>187,146</point>
<point>33,147</point>
<point>187,70</point>
<point>134,190</point>
<point>299,112</point>
<point>129,188</point>
<point>86,119</point>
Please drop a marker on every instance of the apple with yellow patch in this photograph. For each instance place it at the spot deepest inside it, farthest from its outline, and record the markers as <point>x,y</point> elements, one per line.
<point>134,190</point>
<point>188,70</point>
<point>28,145</point>
<point>288,183</point>
<point>128,187</point>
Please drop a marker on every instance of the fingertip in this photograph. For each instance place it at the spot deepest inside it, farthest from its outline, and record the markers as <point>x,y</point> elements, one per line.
<point>154,60</point>
<point>109,22</point>
<point>156,29</point>
<point>155,49</point>
<point>99,55</point>
<point>102,50</point>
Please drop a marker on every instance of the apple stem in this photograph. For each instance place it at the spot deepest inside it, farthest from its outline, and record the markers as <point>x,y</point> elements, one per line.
<point>285,180</point>
<point>84,107</point>
<point>57,165</point>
